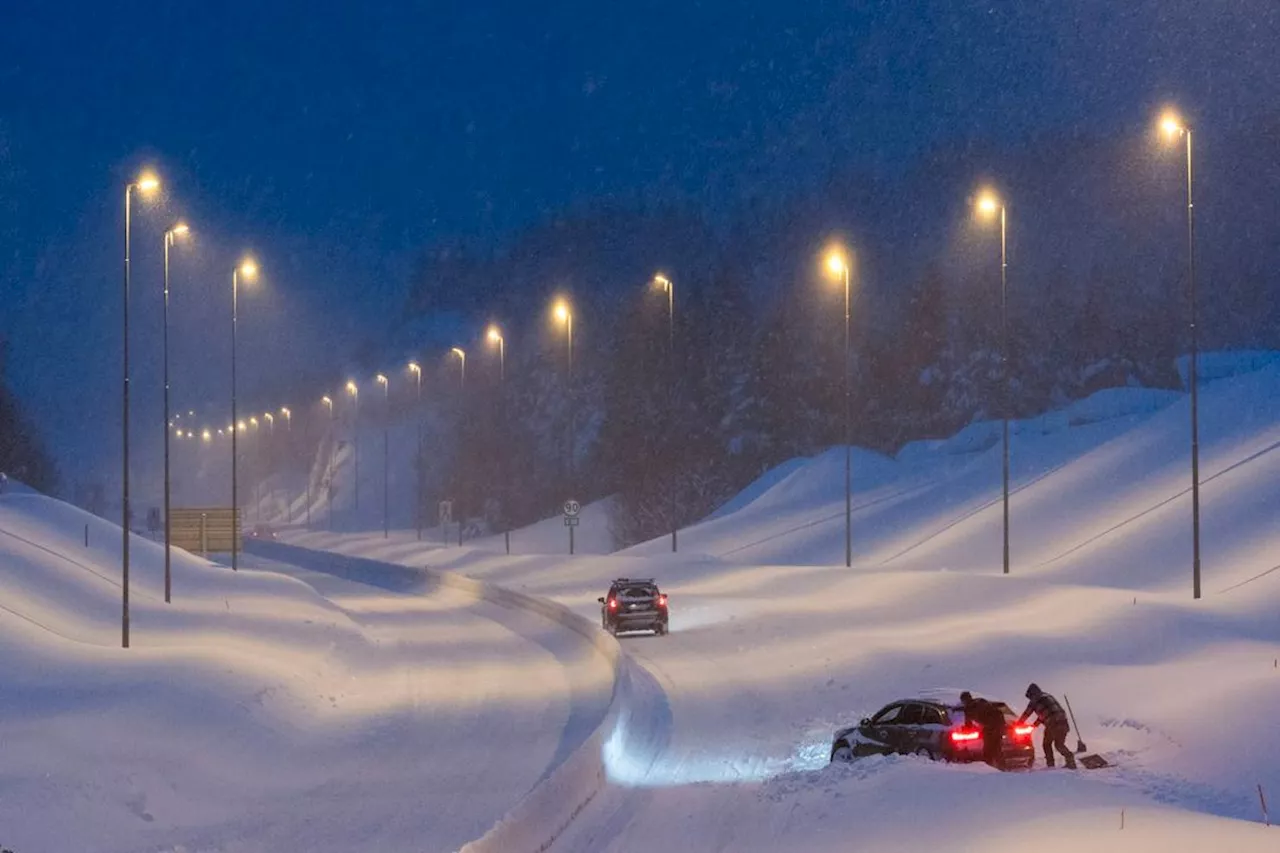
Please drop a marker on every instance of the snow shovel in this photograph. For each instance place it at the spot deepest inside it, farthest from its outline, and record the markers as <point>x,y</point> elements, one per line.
<point>1080,747</point>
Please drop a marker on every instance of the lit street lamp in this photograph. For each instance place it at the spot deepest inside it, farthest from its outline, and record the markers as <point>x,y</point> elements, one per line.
<point>146,184</point>
<point>988,205</point>
<point>669,288</point>
<point>496,338</point>
<point>249,270</point>
<point>328,401</point>
<point>386,454</point>
<point>564,313</point>
<point>416,370</point>
<point>462,390</point>
<point>169,237</point>
<point>1173,126</point>
<point>838,266</point>
<point>288,423</point>
<point>354,391</point>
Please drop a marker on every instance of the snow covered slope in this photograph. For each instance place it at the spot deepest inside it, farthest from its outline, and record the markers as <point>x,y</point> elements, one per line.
<point>261,712</point>
<point>774,643</point>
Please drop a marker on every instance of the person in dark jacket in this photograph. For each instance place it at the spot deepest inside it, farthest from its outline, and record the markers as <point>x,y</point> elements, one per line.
<point>1049,714</point>
<point>989,718</point>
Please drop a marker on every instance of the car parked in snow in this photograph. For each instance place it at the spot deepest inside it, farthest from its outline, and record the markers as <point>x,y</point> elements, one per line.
<point>932,725</point>
<point>634,604</point>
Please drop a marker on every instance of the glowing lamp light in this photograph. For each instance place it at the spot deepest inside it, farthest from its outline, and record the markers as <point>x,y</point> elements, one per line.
<point>352,388</point>
<point>248,268</point>
<point>148,183</point>
<point>180,230</point>
<point>494,335</point>
<point>562,311</point>
<point>1171,125</point>
<point>415,368</point>
<point>836,264</point>
<point>662,281</point>
<point>988,204</point>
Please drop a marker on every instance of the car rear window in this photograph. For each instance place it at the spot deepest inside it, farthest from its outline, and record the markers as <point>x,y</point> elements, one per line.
<point>638,591</point>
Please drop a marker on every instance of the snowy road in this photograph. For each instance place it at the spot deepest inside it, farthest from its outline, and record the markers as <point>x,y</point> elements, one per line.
<point>496,753</point>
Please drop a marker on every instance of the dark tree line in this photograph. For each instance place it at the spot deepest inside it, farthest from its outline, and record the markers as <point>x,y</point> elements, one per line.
<point>22,455</point>
<point>1097,298</point>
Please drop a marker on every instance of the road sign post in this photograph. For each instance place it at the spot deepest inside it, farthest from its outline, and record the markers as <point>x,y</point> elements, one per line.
<point>572,509</point>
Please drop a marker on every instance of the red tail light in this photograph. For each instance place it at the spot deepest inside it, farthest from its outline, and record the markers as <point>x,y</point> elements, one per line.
<point>662,601</point>
<point>1023,731</point>
<point>965,735</point>
<point>613,604</point>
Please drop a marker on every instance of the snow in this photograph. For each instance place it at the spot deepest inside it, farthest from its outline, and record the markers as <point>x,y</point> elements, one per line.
<point>715,737</point>
<point>329,707</point>
<point>723,741</point>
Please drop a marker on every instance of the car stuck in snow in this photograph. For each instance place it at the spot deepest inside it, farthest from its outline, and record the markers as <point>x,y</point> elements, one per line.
<point>932,725</point>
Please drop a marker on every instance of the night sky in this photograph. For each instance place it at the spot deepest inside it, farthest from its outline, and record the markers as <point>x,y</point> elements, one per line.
<point>337,142</point>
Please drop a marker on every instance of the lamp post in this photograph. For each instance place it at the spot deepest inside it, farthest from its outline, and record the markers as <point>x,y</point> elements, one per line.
<point>268,445</point>
<point>145,184</point>
<point>354,391</point>
<point>564,313</point>
<point>838,265</point>
<point>256,468</point>
<point>386,454</point>
<point>249,270</point>
<point>1173,126</point>
<point>669,288</point>
<point>496,338</point>
<point>416,370</point>
<point>462,390</point>
<point>328,476</point>
<point>288,426</point>
<point>989,204</point>
<point>169,237</point>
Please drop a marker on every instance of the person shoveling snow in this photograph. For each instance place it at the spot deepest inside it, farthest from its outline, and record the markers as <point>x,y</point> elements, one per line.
<point>1050,715</point>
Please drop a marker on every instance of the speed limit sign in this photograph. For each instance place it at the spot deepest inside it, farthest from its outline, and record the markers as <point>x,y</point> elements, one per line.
<point>571,509</point>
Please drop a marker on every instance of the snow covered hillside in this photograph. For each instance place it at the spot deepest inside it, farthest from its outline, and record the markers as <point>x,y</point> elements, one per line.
<point>310,708</point>
<point>774,643</point>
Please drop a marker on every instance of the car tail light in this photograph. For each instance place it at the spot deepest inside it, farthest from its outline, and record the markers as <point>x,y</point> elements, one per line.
<point>662,601</point>
<point>613,604</point>
<point>1023,731</point>
<point>965,735</point>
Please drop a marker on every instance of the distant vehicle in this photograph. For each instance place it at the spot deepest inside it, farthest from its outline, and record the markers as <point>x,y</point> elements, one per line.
<point>932,726</point>
<point>634,604</point>
<point>262,531</point>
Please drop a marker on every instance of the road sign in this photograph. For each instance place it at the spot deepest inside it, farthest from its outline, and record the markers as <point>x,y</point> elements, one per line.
<point>446,512</point>
<point>571,521</point>
<point>572,508</point>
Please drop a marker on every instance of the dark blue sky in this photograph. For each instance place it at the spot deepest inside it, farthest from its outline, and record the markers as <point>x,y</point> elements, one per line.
<point>335,141</point>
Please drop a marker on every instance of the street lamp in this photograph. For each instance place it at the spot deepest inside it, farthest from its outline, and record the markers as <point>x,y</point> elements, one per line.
<point>386,454</point>
<point>838,267</point>
<point>462,388</point>
<point>668,287</point>
<point>497,339</point>
<point>170,236</point>
<point>564,314</point>
<point>146,184</point>
<point>328,401</point>
<point>249,270</point>
<point>416,370</point>
<point>354,391</point>
<point>1173,126</point>
<point>988,206</point>
<point>462,361</point>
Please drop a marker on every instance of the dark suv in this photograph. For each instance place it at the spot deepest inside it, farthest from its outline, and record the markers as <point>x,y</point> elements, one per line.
<point>932,726</point>
<point>634,604</point>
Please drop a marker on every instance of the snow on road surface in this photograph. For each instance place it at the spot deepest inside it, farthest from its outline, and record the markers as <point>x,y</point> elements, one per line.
<point>348,707</point>
<point>774,643</point>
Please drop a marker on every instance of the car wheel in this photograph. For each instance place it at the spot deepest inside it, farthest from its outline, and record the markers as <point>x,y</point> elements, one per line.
<point>926,753</point>
<point>841,751</point>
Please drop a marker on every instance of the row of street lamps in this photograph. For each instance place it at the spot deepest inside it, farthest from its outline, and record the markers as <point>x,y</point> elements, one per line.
<point>990,206</point>
<point>839,264</point>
